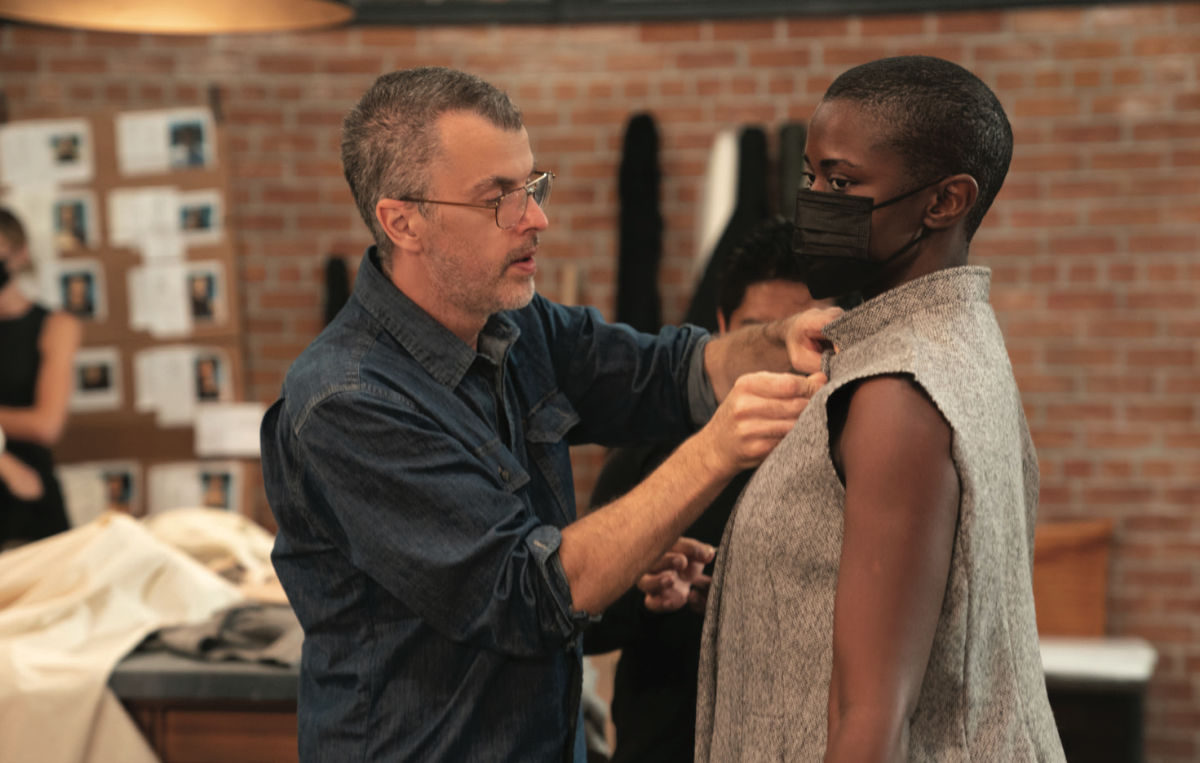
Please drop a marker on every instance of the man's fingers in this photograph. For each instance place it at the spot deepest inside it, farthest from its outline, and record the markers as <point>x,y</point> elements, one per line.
<point>806,338</point>
<point>670,561</point>
<point>693,550</point>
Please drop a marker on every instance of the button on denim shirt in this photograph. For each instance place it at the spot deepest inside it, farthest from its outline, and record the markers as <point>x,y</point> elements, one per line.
<point>420,487</point>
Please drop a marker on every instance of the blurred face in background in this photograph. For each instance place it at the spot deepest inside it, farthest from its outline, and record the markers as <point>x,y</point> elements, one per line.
<point>768,301</point>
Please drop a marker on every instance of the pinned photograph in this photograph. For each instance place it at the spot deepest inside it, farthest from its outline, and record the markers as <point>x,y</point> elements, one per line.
<point>209,378</point>
<point>94,487</point>
<point>81,289</point>
<point>188,140</point>
<point>201,287</point>
<point>205,291</point>
<point>118,489</point>
<point>38,151</point>
<point>200,217</point>
<point>74,222</point>
<point>65,147</point>
<point>97,380</point>
<point>191,484</point>
<point>164,140</point>
<point>215,490</point>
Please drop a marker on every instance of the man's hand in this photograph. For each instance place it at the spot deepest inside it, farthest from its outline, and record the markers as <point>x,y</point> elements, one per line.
<point>678,578</point>
<point>759,410</point>
<point>805,338</point>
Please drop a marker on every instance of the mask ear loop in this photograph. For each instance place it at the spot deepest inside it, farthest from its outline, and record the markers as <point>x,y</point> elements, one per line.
<point>904,196</point>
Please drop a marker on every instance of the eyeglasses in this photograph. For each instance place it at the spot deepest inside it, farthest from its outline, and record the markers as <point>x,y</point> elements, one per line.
<point>509,206</point>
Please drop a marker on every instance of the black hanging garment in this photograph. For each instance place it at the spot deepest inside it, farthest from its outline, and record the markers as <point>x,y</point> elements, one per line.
<point>641,227</point>
<point>751,209</point>
<point>791,166</point>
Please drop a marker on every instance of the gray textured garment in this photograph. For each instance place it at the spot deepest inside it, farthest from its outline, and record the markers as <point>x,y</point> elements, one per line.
<point>767,648</point>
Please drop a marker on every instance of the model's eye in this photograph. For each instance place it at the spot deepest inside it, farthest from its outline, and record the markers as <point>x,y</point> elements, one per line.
<point>807,179</point>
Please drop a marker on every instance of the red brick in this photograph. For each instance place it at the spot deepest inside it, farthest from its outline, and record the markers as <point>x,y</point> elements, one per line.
<point>743,30</point>
<point>1098,384</point>
<point>1028,49</point>
<point>1160,45</point>
<point>1167,130</point>
<point>816,26</point>
<point>722,58</point>
<point>963,22</point>
<point>1087,244</point>
<point>12,63</point>
<point>891,26</point>
<point>673,32</point>
<point>792,56</point>
<point>90,65</point>
<point>1087,78</point>
<point>1070,49</point>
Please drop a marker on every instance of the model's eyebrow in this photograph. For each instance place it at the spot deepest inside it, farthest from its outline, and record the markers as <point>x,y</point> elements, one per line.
<point>828,164</point>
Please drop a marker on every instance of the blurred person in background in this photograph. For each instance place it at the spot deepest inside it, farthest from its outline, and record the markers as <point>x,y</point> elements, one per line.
<point>38,347</point>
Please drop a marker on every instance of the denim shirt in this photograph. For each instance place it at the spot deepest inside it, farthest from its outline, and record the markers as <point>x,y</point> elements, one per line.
<point>420,487</point>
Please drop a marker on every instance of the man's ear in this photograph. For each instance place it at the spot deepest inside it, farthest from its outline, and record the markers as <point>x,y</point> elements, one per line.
<point>402,223</point>
<point>956,196</point>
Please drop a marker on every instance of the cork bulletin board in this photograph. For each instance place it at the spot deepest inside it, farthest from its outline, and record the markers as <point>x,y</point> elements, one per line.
<point>126,213</point>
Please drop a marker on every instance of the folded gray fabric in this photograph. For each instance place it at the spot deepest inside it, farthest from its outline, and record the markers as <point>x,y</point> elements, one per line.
<point>267,633</point>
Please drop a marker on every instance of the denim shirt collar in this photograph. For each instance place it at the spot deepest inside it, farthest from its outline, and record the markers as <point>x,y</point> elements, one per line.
<point>439,351</point>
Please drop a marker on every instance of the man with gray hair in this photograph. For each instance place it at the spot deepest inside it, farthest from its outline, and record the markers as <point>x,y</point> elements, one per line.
<point>417,461</point>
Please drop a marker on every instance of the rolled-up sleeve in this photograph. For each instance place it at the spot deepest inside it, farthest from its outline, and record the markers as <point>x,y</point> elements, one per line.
<point>702,400</point>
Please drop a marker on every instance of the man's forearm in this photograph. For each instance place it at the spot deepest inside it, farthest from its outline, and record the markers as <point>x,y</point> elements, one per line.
<point>792,344</point>
<point>603,553</point>
<point>753,348</point>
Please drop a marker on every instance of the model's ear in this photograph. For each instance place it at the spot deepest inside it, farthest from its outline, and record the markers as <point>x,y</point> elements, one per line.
<point>402,222</point>
<point>956,196</point>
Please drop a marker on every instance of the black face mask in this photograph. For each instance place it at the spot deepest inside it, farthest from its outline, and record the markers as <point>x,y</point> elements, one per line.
<point>833,236</point>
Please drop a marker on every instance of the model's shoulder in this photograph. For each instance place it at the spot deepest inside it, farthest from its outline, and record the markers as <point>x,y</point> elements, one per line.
<point>60,328</point>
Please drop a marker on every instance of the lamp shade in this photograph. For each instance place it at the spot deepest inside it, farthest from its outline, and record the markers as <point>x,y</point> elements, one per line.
<point>180,16</point>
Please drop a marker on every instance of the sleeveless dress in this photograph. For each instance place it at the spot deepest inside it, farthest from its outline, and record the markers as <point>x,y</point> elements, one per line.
<point>767,650</point>
<point>27,520</point>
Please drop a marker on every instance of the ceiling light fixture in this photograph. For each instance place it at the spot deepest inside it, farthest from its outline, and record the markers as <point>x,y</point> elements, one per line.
<point>181,16</point>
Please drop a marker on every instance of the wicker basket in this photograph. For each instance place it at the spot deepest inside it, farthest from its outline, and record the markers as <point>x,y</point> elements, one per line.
<point>1070,577</point>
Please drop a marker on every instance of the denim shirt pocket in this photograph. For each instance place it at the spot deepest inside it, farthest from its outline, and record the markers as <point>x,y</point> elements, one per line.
<point>503,465</point>
<point>546,429</point>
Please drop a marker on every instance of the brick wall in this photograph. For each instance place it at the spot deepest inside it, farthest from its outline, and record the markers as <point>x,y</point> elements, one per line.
<point>1093,242</point>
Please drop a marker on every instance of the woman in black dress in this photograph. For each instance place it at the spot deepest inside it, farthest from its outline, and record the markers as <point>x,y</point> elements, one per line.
<point>38,347</point>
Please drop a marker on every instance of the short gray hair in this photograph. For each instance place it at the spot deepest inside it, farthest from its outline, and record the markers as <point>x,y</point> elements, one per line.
<point>388,140</point>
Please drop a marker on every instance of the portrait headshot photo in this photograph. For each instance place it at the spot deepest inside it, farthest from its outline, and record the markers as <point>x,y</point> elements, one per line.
<point>94,376</point>
<point>195,217</point>
<point>199,216</point>
<point>201,289</point>
<point>118,490</point>
<point>78,293</point>
<point>96,380</point>
<point>70,225</point>
<point>187,144</point>
<point>65,147</point>
<point>208,378</point>
<point>214,489</point>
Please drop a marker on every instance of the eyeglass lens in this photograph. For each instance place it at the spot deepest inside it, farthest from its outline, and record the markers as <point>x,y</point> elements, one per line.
<point>513,204</point>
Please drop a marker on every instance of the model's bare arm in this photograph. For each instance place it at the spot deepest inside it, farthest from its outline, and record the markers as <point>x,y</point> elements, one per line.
<point>901,512</point>
<point>43,421</point>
